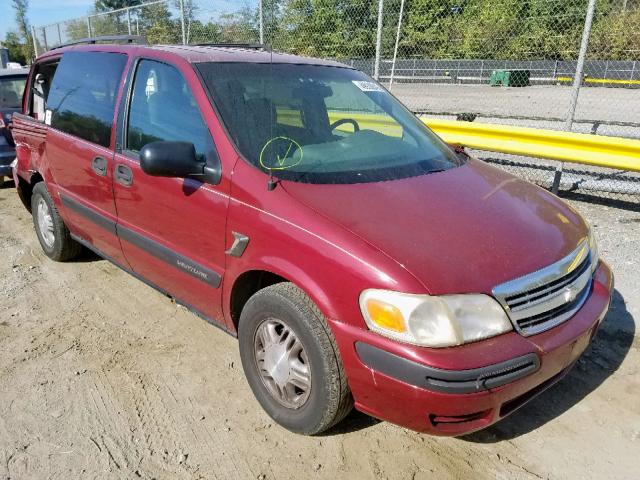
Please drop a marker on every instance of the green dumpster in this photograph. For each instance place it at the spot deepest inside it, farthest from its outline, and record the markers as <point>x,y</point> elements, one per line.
<point>510,78</point>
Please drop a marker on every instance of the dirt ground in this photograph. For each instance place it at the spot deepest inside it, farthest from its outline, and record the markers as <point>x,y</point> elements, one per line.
<point>102,377</point>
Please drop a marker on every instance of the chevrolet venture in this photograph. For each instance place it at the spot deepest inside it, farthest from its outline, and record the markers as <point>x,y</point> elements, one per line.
<point>296,204</point>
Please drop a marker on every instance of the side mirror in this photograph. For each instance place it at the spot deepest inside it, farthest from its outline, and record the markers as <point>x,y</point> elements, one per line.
<point>177,159</point>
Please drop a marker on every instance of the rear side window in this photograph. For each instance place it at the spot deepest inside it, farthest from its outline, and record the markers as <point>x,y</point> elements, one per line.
<point>11,88</point>
<point>163,108</point>
<point>83,94</point>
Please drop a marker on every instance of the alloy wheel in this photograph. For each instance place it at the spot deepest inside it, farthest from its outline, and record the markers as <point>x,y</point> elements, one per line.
<point>282,363</point>
<point>45,223</point>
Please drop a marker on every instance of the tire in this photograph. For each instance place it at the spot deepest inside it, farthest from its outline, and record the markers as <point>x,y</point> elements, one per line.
<point>53,234</point>
<point>328,399</point>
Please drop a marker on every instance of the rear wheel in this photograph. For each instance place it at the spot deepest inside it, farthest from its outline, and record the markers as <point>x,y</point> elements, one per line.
<point>291,360</point>
<point>53,234</point>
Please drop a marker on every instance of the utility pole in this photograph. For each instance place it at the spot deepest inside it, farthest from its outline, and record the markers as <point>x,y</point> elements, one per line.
<point>261,20</point>
<point>376,66</point>
<point>395,50</point>
<point>184,32</point>
<point>577,83</point>
<point>577,79</point>
<point>35,43</point>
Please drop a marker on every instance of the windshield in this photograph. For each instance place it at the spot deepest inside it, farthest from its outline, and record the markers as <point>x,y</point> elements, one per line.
<point>321,124</point>
<point>11,89</point>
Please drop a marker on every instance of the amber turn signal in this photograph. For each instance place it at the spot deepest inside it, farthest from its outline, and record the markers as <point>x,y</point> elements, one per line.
<point>385,315</point>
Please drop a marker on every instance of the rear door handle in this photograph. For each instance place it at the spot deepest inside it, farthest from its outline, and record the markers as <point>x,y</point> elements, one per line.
<point>124,175</point>
<point>99,166</point>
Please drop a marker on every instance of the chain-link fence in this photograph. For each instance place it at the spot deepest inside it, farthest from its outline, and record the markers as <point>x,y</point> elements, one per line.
<point>559,64</point>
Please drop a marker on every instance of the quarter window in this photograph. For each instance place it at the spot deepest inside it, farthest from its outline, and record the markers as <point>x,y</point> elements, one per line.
<point>83,94</point>
<point>164,109</point>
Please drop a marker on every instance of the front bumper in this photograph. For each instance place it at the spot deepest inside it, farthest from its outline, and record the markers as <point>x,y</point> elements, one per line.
<point>454,391</point>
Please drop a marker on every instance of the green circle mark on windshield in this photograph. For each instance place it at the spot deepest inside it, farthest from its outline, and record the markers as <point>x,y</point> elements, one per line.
<point>279,154</point>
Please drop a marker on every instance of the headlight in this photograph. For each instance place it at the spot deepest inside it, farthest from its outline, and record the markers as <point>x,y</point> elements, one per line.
<point>593,248</point>
<point>433,321</point>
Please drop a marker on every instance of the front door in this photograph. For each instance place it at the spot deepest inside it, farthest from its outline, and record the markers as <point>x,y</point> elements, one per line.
<point>80,110</point>
<point>172,230</point>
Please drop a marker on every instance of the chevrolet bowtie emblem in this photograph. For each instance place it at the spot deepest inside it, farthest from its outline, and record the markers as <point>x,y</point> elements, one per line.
<point>569,294</point>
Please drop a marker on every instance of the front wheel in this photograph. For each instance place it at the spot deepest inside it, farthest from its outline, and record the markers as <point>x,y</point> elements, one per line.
<point>53,234</point>
<point>291,360</point>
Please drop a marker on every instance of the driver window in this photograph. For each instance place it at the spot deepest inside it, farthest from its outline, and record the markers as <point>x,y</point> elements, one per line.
<point>162,108</point>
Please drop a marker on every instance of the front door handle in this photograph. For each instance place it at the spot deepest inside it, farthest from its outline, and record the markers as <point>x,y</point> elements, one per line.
<point>124,175</point>
<point>99,166</point>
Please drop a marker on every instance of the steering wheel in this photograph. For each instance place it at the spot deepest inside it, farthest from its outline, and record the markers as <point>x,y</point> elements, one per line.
<point>342,121</point>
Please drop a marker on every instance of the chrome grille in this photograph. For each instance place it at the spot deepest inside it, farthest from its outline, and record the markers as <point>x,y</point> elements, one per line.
<point>543,299</point>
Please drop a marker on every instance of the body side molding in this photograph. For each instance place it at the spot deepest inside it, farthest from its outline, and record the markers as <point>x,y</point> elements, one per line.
<point>152,247</point>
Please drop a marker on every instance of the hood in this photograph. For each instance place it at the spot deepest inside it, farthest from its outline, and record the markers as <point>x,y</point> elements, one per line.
<point>464,230</point>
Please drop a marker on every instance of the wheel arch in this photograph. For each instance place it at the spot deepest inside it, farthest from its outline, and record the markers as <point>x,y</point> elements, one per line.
<point>25,188</point>
<point>250,281</point>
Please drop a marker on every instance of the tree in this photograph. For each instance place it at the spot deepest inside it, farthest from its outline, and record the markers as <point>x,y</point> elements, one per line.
<point>15,46</point>
<point>329,28</point>
<point>108,5</point>
<point>158,26</point>
<point>239,27</point>
<point>189,8</point>
<point>113,24</point>
<point>21,7</point>
<point>617,37</point>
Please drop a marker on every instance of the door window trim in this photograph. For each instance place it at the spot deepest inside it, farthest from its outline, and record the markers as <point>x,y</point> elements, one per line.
<point>123,112</point>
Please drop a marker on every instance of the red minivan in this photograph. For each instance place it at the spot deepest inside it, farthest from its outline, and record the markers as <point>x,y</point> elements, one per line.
<point>297,205</point>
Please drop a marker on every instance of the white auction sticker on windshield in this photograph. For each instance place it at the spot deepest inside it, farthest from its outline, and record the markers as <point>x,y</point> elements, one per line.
<point>367,86</point>
<point>47,117</point>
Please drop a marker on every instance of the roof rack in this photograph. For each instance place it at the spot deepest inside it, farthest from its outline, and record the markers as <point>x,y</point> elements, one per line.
<point>132,39</point>
<point>251,46</point>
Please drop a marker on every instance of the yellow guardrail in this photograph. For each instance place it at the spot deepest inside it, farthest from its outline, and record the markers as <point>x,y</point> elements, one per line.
<point>601,80</point>
<point>599,150</point>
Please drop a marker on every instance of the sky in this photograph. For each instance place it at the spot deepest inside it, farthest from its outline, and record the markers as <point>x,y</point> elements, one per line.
<point>45,12</point>
<point>42,12</point>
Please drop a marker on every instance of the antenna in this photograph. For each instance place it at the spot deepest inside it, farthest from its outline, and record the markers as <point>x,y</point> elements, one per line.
<point>273,182</point>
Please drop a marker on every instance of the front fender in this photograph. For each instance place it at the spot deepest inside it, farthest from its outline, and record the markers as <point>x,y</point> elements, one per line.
<point>332,265</point>
<point>287,270</point>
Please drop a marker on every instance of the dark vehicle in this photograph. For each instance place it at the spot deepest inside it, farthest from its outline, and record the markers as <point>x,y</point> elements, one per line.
<point>12,82</point>
<point>294,203</point>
